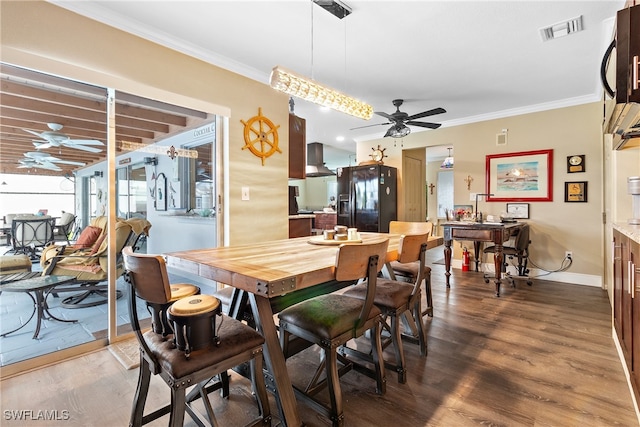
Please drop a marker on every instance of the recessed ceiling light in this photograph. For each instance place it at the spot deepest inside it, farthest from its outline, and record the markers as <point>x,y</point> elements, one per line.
<point>325,109</point>
<point>340,138</point>
<point>561,29</point>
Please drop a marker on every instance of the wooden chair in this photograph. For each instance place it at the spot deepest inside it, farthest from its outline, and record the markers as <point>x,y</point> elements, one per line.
<point>331,320</point>
<point>394,298</point>
<point>238,344</point>
<point>409,271</point>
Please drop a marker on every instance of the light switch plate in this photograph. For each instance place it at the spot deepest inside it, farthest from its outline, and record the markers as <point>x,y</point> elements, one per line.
<point>472,196</point>
<point>245,193</point>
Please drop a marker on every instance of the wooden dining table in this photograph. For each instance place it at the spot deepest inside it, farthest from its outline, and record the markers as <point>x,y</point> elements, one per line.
<point>268,271</point>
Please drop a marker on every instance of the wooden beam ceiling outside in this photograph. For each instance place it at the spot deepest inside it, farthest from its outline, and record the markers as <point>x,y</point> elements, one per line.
<point>31,100</point>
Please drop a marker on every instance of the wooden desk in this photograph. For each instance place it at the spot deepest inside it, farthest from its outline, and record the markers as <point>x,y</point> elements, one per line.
<point>495,233</point>
<point>266,271</point>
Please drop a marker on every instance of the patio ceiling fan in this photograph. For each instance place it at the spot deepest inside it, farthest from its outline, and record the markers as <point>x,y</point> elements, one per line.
<point>55,138</point>
<point>35,159</point>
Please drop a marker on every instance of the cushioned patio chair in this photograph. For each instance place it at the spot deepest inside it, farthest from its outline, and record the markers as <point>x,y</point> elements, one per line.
<point>87,259</point>
<point>65,227</point>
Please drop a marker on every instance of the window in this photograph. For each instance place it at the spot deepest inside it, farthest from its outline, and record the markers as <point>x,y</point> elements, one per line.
<point>198,175</point>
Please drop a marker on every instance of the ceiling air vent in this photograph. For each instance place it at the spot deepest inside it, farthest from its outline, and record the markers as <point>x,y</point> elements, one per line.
<point>561,29</point>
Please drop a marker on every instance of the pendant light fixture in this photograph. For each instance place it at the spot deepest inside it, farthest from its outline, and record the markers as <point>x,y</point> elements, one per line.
<point>308,89</point>
<point>448,161</point>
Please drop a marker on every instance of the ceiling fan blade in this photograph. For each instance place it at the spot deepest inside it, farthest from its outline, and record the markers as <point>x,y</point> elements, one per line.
<point>48,165</point>
<point>385,115</point>
<point>33,133</point>
<point>83,142</point>
<point>84,148</point>
<point>368,126</point>
<point>40,146</point>
<point>67,162</point>
<point>424,124</point>
<point>427,113</point>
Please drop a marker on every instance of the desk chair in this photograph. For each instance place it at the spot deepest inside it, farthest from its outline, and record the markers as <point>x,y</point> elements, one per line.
<point>331,320</point>
<point>394,298</point>
<point>520,249</point>
<point>238,344</point>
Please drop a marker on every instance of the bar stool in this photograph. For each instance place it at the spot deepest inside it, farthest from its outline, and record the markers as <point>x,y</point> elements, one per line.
<point>394,298</point>
<point>238,344</point>
<point>409,271</point>
<point>331,320</point>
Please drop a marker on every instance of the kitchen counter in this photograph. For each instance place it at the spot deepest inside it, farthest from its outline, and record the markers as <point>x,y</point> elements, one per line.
<point>631,231</point>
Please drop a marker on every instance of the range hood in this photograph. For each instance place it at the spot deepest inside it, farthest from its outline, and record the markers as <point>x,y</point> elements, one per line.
<point>315,161</point>
<point>624,124</point>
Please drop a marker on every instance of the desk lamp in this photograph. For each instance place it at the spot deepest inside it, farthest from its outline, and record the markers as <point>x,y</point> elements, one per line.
<point>479,216</point>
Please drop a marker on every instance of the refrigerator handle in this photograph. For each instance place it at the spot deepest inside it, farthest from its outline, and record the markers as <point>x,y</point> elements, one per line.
<point>352,203</point>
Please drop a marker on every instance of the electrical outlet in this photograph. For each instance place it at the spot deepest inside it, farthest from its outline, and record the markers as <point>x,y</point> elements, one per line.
<point>568,255</point>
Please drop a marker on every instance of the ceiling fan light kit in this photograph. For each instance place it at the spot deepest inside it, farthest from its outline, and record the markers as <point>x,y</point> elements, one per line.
<point>301,87</point>
<point>398,131</point>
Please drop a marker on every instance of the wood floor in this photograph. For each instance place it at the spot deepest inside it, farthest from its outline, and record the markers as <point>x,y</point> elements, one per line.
<point>537,356</point>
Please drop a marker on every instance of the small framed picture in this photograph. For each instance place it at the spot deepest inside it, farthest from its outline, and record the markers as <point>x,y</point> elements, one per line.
<point>518,210</point>
<point>575,163</point>
<point>575,191</point>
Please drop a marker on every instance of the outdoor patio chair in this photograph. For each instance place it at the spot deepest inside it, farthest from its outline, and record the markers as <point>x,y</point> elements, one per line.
<point>65,227</point>
<point>31,235</point>
<point>87,259</point>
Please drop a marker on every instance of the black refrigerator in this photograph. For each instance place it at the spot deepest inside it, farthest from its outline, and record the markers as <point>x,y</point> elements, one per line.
<point>367,197</point>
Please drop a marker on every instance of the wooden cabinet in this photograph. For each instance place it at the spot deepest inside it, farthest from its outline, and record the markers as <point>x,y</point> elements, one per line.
<point>626,303</point>
<point>325,221</point>
<point>628,55</point>
<point>297,147</point>
<point>300,227</point>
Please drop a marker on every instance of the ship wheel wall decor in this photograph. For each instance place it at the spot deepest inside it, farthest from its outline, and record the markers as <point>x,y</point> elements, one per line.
<point>261,136</point>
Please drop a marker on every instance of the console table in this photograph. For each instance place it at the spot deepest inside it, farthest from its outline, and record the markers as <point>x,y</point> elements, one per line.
<point>496,233</point>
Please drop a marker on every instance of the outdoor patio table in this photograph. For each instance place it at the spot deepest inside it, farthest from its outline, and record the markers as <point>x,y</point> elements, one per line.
<point>41,286</point>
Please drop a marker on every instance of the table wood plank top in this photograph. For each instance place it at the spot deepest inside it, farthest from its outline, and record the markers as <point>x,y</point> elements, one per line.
<point>272,268</point>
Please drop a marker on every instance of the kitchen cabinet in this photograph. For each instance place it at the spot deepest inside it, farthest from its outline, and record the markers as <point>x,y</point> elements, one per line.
<point>300,225</point>
<point>627,55</point>
<point>325,221</point>
<point>297,147</point>
<point>626,303</point>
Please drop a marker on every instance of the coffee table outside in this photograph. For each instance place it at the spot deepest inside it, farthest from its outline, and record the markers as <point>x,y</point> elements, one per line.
<point>41,286</point>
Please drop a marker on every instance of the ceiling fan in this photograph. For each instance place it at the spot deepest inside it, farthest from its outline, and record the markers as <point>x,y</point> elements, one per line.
<point>35,159</point>
<point>55,138</point>
<point>399,120</point>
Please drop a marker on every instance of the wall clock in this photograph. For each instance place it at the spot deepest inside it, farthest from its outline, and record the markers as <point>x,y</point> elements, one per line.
<point>261,136</point>
<point>575,163</point>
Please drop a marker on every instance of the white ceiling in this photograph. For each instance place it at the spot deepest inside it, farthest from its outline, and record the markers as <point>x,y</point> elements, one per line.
<point>478,60</point>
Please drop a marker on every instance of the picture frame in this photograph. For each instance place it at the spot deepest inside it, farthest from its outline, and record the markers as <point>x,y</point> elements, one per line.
<point>518,210</point>
<point>575,191</point>
<point>161,192</point>
<point>525,176</point>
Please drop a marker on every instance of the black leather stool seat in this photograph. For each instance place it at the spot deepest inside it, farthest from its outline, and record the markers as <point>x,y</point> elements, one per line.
<point>389,293</point>
<point>409,271</point>
<point>235,338</point>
